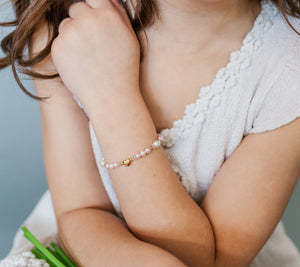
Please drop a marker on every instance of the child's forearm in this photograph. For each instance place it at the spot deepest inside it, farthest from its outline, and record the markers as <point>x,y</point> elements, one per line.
<point>156,206</point>
<point>93,237</point>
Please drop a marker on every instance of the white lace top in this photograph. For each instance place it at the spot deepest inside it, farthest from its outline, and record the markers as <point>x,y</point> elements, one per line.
<point>258,90</point>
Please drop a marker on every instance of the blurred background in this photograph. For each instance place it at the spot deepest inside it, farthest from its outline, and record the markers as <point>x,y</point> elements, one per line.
<point>22,175</point>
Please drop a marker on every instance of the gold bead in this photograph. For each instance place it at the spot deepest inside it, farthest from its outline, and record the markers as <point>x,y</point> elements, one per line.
<point>126,162</point>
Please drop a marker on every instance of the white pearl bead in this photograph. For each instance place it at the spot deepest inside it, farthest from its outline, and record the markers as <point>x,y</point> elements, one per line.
<point>143,153</point>
<point>107,165</point>
<point>137,156</point>
<point>116,164</point>
<point>102,163</point>
<point>148,150</point>
<point>156,143</point>
<point>111,165</point>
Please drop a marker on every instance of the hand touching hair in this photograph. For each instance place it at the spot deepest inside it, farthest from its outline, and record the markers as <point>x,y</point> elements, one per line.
<point>30,13</point>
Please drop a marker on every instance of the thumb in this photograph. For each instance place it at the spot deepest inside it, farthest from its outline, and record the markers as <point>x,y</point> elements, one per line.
<point>122,11</point>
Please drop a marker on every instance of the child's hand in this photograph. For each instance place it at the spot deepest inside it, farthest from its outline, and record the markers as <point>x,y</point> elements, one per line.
<point>97,53</point>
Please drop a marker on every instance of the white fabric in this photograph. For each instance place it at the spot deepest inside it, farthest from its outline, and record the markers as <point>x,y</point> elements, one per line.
<point>258,90</point>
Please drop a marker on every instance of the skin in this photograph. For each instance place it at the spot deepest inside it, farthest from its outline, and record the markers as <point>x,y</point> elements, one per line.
<point>189,50</point>
<point>164,226</point>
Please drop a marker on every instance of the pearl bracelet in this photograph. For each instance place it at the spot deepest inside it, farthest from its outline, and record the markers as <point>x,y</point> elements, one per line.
<point>127,162</point>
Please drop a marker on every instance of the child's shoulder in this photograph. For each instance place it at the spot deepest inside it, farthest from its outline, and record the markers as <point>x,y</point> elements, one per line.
<point>279,44</point>
<point>282,40</point>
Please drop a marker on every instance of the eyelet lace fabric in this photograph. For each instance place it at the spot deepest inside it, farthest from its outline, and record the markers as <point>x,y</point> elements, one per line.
<point>209,96</point>
<point>22,255</point>
<point>23,259</point>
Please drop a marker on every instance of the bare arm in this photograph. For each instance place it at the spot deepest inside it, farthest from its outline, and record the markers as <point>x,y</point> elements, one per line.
<point>243,204</point>
<point>83,210</point>
<point>95,237</point>
<point>251,191</point>
<point>154,203</point>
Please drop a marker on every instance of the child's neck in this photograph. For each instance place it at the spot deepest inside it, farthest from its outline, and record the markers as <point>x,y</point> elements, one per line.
<point>186,52</point>
<point>192,24</point>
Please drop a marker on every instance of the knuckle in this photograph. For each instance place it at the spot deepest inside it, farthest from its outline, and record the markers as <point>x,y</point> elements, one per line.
<point>93,2</point>
<point>71,7</point>
<point>95,20</point>
<point>75,6</point>
<point>62,24</point>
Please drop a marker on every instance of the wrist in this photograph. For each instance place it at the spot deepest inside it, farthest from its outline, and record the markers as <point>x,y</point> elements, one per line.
<point>105,101</point>
<point>116,107</point>
<point>123,127</point>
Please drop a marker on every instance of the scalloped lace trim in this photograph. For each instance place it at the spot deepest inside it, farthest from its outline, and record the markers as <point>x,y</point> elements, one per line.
<point>21,255</point>
<point>210,96</point>
<point>25,258</point>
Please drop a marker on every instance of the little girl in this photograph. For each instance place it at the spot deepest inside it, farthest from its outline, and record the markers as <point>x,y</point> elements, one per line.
<point>171,135</point>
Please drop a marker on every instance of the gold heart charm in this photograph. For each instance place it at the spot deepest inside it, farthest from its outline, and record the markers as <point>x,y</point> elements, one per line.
<point>126,162</point>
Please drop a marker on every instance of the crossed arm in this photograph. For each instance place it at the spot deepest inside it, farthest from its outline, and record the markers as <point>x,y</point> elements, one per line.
<point>165,227</point>
<point>241,209</point>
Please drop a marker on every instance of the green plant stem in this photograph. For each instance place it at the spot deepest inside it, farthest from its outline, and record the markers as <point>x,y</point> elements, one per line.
<point>44,250</point>
<point>39,255</point>
<point>56,254</point>
<point>62,255</point>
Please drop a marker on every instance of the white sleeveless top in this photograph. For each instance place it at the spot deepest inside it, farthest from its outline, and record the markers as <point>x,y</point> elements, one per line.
<point>258,90</point>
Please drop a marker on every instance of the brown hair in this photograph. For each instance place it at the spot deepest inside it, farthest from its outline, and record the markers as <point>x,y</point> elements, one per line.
<point>30,13</point>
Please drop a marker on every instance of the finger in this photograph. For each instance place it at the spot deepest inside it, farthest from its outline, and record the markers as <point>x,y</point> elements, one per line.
<point>99,3</point>
<point>63,23</point>
<point>78,8</point>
